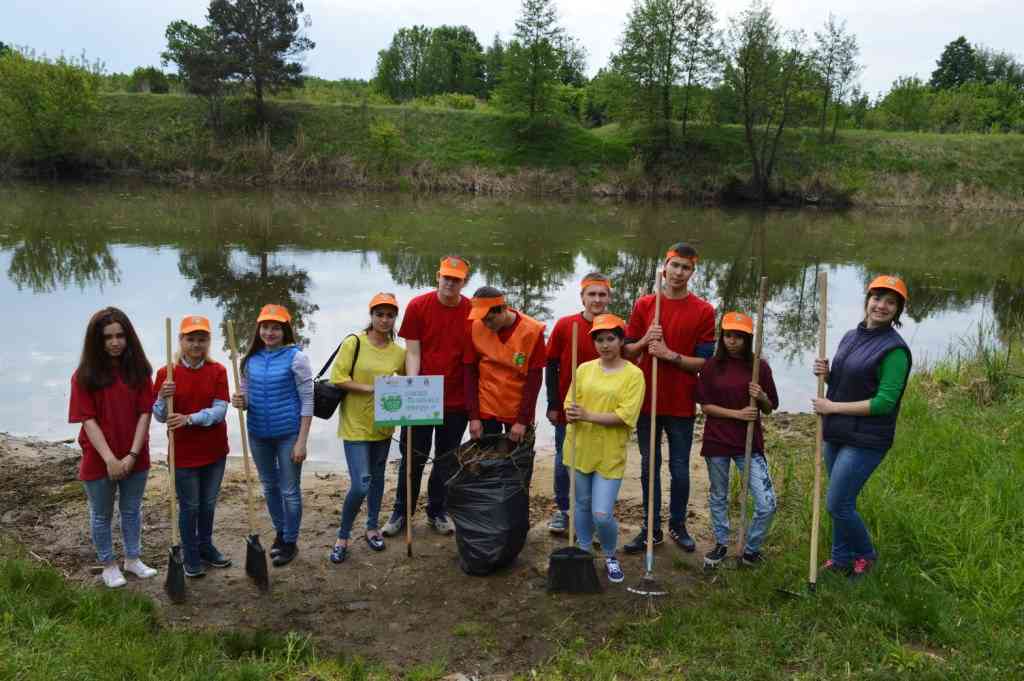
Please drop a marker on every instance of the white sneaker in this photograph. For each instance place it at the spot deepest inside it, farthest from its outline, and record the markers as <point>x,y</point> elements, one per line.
<point>441,524</point>
<point>139,569</point>
<point>112,577</point>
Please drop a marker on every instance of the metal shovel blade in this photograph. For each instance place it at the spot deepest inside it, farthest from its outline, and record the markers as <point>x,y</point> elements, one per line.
<point>256,562</point>
<point>175,583</point>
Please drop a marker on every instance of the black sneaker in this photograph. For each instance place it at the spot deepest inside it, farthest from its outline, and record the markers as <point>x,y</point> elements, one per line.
<point>394,525</point>
<point>682,538</point>
<point>639,543</point>
<point>286,555</point>
<point>715,556</point>
<point>752,558</point>
<point>214,558</point>
<point>275,548</point>
<point>195,571</point>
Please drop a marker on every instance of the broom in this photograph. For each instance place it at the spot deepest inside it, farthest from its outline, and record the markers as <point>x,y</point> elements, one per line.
<point>255,556</point>
<point>648,586</point>
<point>751,424</point>
<point>175,583</point>
<point>571,569</point>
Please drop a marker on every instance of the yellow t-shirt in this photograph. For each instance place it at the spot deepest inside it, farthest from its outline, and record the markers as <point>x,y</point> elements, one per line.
<point>356,421</point>
<point>603,448</point>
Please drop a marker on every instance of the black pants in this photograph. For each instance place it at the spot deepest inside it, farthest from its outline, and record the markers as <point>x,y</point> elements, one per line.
<point>446,437</point>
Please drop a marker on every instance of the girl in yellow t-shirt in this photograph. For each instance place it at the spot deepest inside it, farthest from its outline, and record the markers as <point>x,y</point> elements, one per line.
<point>366,446</point>
<point>609,392</point>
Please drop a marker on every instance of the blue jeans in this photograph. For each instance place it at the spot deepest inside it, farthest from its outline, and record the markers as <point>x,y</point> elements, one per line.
<point>679,430</point>
<point>595,505</point>
<point>561,472</point>
<point>198,489</point>
<point>447,437</point>
<point>761,490</point>
<point>281,478</point>
<point>849,468</point>
<point>101,495</point>
<point>366,461</point>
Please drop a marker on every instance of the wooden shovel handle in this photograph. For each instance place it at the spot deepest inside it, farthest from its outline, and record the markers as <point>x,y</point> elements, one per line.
<point>171,481</point>
<point>812,574</point>
<point>652,442</point>
<point>748,448</point>
<point>241,424</point>
<point>572,441</point>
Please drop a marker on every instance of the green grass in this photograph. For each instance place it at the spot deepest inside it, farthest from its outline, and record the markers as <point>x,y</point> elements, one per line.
<point>946,600</point>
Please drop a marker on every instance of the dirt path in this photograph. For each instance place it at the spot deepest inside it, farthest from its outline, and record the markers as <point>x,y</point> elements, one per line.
<point>381,605</point>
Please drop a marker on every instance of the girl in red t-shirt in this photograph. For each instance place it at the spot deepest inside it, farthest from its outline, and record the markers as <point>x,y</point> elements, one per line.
<point>724,391</point>
<point>200,391</point>
<point>111,396</point>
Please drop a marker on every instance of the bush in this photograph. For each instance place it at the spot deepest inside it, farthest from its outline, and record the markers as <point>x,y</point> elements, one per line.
<point>47,108</point>
<point>446,100</point>
<point>148,79</point>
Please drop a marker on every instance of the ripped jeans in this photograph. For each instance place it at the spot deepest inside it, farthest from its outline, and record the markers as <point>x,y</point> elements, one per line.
<point>366,461</point>
<point>595,506</point>
<point>761,490</point>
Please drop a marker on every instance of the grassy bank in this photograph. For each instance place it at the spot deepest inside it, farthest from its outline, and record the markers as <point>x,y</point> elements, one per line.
<point>946,601</point>
<point>426,149</point>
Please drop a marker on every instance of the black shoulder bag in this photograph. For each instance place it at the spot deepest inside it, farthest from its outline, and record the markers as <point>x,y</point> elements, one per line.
<point>326,395</point>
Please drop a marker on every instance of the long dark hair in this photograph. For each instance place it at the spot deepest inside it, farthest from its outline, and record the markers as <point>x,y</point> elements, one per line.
<point>900,304</point>
<point>722,354</point>
<point>95,370</point>
<point>257,343</point>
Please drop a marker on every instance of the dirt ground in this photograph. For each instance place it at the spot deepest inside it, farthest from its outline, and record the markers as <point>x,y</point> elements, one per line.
<point>384,606</point>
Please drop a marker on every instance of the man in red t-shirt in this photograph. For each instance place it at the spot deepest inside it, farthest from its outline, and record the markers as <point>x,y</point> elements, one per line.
<point>434,328</point>
<point>595,292</point>
<point>504,361</point>
<point>682,340</point>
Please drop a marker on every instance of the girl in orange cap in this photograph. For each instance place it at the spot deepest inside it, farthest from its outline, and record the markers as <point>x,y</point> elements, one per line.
<point>200,391</point>
<point>277,389</point>
<point>724,391</point>
<point>363,358</point>
<point>865,387</point>
<point>609,392</point>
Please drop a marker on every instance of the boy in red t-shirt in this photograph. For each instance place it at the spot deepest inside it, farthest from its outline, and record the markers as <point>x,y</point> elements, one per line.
<point>435,331</point>
<point>595,292</point>
<point>682,340</point>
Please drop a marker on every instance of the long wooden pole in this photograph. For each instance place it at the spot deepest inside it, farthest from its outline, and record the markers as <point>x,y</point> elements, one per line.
<point>649,558</point>
<point>241,424</point>
<point>572,441</point>
<point>812,570</point>
<point>175,540</point>
<point>408,491</point>
<point>754,374</point>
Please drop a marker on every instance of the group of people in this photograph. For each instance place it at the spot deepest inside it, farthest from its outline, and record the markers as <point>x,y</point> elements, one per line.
<point>494,360</point>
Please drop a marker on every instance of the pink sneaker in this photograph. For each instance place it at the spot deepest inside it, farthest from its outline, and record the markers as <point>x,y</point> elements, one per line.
<point>861,566</point>
<point>832,566</point>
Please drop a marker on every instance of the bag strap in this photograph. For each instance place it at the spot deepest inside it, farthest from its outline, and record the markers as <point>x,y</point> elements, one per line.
<point>330,360</point>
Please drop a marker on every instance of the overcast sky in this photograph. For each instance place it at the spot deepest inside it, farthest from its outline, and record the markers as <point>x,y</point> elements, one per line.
<point>897,37</point>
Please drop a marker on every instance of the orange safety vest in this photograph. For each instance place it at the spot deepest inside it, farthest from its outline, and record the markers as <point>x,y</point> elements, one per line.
<point>503,366</point>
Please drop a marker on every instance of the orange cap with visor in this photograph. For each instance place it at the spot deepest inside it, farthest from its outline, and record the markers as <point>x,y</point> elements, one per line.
<point>891,283</point>
<point>194,323</point>
<point>274,313</point>
<point>607,322</point>
<point>737,321</point>
<point>481,306</point>
<point>383,299</point>
<point>452,266</point>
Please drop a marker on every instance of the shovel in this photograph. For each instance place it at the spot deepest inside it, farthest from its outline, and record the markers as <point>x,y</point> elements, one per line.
<point>571,569</point>
<point>175,583</point>
<point>812,569</point>
<point>648,587</point>
<point>255,556</point>
<point>751,424</point>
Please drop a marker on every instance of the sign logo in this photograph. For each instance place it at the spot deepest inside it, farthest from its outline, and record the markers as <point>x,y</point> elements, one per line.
<point>391,403</point>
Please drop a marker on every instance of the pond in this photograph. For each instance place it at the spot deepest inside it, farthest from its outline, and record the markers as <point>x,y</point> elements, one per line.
<point>156,252</point>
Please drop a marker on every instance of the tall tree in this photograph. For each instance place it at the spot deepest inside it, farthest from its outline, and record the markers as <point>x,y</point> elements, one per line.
<point>532,60</point>
<point>835,60</point>
<point>957,65</point>
<point>204,65</point>
<point>454,62</point>
<point>699,55</point>
<point>494,63</point>
<point>400,68</point>
<point>573,67</point>
<point>4,47</point>
<point>264,39</point>
<point>766,68</point>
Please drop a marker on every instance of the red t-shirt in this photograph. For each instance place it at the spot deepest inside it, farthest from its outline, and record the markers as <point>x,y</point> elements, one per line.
<point>560,348</point>
<point>196,389</point>
<point>442,332</point>
<point>116,409</point>
<point>729,389</point>
<point>686,323</point>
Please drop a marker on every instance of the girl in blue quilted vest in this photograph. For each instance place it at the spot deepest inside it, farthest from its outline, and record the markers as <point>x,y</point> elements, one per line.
<point>865,387</point>
<point>277,390</point>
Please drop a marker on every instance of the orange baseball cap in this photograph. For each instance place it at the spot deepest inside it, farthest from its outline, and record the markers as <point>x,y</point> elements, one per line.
<point>194,323</point>
<point>607,322</point>
<point>274,313</point>
<point>891,283</point>
<point>737,321</point>
<point>454,266</point>
<point>481,306</point>
<point>384,299</point>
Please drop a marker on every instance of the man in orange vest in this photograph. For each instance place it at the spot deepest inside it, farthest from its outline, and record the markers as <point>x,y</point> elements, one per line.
<point>504,366</point>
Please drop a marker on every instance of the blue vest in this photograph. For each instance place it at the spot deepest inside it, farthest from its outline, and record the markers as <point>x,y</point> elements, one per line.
<point>274,404</point>
<point>853,377</point>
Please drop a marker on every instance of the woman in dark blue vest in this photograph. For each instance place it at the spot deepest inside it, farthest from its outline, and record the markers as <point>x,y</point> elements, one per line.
<point>277,390</point>
<point>865,388</point>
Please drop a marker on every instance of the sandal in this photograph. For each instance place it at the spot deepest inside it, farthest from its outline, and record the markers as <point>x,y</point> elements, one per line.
<point>375,542</point>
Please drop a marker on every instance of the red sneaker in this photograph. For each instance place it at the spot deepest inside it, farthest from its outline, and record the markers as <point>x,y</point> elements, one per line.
<point>861,566</point>
<point>832,566</point>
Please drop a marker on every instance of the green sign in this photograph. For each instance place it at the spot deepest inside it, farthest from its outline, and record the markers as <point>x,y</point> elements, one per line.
<point>408,400</point>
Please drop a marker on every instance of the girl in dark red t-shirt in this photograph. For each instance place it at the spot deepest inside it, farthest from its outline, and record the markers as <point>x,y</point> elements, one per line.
<point>724,391</point>
<point>200,391</point>
<point>111,396</point>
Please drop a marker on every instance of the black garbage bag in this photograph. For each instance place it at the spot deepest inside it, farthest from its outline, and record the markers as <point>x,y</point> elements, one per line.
<point>489,502</point>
